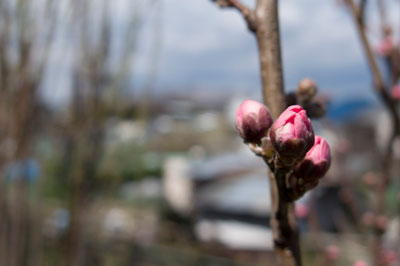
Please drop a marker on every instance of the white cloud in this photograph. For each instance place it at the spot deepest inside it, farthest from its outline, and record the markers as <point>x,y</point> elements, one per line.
<point>208,46</point>
<point>290,13</point>
<point>202,44</point>
<point>199,26</point>
<point>323,31</point>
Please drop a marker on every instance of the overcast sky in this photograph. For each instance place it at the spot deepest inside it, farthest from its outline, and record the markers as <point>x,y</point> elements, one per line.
<point>194,45</point>
<point>204,46</point>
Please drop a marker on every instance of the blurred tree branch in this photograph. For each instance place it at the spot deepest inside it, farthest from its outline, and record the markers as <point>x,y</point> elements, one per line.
<point>28,30</point>
<point>379,84</point>
<point>99,77</point>
<point>389,103</point>
<point>25,42</point>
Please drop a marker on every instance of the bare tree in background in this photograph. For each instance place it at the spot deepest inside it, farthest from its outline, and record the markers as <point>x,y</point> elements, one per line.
<point>100,77</point>
<point>384,91</point>
<point>26,33</point>
<point>101,74</point>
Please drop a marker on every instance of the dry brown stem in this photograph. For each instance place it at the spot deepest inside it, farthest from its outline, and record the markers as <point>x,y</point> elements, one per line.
<point>264,22</point>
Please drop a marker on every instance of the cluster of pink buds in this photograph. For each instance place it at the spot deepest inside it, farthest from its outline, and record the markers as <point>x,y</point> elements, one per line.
<point>287,143</point>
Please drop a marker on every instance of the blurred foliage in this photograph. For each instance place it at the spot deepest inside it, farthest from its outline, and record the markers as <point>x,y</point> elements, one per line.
<point>127,162</point>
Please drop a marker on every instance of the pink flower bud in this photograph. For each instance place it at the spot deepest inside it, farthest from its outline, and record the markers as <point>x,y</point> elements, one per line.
<point>317,161</point>
<point>395,91</point>
<point>306,89</point>
<point>385,47</point>
<point>332,252</point>
<point>253,120</point>
<point>301,210</point>
<point>292,134</point>
<point>389,256</point>
<point>360,263</point>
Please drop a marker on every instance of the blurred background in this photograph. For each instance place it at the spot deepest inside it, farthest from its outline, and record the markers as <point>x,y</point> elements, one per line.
<point>118,145</point>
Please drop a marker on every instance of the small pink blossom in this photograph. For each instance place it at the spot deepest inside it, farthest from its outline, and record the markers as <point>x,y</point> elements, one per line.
<point>385,47</point>
<point>317,161</point>
<point>292,134</point>
<point>253,120</point>
<point>301,210</point>
<point>332,252</point>
<point>360,263</point>
<point>395,91</point>
<point>389,256</point>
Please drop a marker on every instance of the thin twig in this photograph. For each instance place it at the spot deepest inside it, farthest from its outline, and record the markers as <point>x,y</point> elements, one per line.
<point>239,6</point>
<point>390,105</point>
<point>379,84</point>
<point>247,13</point>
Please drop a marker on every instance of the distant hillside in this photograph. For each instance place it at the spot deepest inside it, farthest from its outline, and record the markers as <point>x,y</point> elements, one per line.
<point>347,110</point>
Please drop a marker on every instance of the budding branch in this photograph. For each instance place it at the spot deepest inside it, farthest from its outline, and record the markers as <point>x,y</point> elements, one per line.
<point>263,21</point>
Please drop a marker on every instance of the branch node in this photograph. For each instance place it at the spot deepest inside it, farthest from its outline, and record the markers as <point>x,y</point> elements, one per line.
<point>247,13</point>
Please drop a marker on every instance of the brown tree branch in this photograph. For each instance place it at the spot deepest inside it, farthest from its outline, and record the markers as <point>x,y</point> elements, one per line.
<point>268,40</point>
<point>247,13</point>
<point>234,3</point>
<point>283,221</point>
<point>264,22</point>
